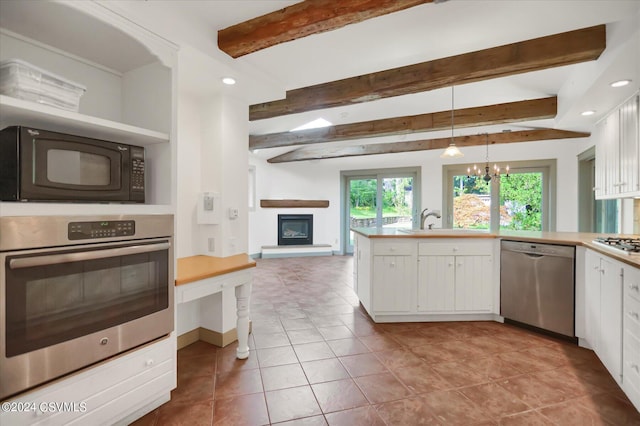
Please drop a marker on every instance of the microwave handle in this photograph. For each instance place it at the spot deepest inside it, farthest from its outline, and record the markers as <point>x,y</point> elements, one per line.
<point>54,259</point>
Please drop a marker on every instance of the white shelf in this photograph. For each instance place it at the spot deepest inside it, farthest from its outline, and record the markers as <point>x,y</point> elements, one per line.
<point>24,113</point>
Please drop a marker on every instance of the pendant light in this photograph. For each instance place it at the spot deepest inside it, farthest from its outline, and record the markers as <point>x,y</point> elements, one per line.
<point>452,150</point>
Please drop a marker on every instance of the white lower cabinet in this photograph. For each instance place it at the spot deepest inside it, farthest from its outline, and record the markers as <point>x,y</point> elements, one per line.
<point>394,277</point>
<point>631,335</point>
<point>455,277</point>
<point>603,314</point>
<point>430,279</point>
<point>116,392</point>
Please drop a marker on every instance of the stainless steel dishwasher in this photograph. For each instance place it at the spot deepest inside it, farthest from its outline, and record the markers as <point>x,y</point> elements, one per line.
<point>537,285</point>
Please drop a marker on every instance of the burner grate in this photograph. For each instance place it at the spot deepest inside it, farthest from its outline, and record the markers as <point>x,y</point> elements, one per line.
<point>623,244</point>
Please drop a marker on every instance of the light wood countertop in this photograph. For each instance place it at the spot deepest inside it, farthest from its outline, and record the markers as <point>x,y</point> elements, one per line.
<point>567,238</point>
<point>194,268</point>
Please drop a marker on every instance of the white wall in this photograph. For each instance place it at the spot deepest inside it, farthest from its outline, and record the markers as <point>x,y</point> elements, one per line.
<point>212,156</point>
<point>320,179</point>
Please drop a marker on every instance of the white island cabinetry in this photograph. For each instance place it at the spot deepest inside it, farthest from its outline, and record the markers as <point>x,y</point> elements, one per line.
<point>455,276</point>
<point>394,276</point>
<point>426,279</point>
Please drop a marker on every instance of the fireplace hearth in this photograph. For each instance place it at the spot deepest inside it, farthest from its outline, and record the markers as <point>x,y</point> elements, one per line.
<point>295,229</point>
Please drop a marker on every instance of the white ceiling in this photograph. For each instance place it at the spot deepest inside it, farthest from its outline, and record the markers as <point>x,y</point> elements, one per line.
<point>417,34</point>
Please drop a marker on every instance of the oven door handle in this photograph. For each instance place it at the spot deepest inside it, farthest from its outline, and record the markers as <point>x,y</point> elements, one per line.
<point>54,259</point>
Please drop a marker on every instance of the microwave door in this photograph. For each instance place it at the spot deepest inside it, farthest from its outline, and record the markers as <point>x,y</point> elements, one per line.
<point>72,170</point>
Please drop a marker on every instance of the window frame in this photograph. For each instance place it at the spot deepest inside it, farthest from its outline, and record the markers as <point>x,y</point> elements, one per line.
<point>546,167</point>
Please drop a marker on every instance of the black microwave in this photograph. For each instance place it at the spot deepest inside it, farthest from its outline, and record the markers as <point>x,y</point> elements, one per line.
<point>40,165</point>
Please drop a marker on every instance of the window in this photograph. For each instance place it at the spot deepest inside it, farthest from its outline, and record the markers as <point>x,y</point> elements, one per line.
<point>521,201</point>
<point>378,198</point>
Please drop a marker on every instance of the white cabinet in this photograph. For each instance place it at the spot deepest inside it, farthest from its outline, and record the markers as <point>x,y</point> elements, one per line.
<point>130,95</point>
<point>430,279</point>
<point>617,142</point>
<point>110,393</point>
<point>455,276</point>
<point>603,298</point>
<point>362,252</point>
<point>631,335</point>
<point>394,277</point>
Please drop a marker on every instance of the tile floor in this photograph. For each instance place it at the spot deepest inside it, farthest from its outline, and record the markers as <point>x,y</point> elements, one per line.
<point>317,359</point>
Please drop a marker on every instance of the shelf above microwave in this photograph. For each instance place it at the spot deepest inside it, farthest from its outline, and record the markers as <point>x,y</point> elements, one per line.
<point>24,113</point>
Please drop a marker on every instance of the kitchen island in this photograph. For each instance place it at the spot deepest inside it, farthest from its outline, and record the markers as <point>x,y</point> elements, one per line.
<point>454,275</point>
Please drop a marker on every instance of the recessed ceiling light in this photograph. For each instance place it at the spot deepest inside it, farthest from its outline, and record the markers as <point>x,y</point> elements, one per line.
<point>589,112</point>
<point>229,80</point>
<point>315,124</point>
<point>620,83</point>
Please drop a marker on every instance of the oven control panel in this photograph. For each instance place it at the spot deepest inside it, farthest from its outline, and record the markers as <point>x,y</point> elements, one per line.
<point>101,229</point>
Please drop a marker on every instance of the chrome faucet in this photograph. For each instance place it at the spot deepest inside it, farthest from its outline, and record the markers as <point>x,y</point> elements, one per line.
<point>426,213</point>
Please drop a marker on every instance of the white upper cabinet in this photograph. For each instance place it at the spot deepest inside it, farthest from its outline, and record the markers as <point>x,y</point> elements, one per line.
<point>617,141</point>
<point>129,73</point>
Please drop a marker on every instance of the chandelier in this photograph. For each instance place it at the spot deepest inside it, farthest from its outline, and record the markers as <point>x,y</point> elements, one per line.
<point>488,173</point>
<point>452,150</point>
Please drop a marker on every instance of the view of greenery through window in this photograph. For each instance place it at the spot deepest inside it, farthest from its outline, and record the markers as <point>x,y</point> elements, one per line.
<point>396,198</point>
<point>520,202</point>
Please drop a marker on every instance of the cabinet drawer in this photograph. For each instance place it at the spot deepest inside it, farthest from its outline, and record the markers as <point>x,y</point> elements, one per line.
<point>631,356</point>
<point>455,249</point>
<point>99,385</point>
<point>632,316</point>
<point>632,282</point>
<point>393,249</point>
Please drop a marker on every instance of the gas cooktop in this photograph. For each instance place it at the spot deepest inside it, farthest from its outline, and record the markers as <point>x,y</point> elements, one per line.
<point>619,244</point>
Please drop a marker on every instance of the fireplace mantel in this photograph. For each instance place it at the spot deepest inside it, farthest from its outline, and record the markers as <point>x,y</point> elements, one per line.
<point>294,203</point>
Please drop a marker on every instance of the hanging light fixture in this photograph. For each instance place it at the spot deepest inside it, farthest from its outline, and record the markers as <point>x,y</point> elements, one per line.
<point>452,150</point>
<point>488,173</point>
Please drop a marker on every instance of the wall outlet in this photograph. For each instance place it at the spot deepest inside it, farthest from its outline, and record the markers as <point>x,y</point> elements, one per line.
<point>211,244</point>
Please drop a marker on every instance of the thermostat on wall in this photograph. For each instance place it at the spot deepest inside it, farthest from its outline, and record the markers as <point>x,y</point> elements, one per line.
<point>209,208</point>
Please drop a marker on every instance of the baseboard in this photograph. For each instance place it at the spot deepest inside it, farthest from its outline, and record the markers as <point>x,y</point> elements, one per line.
<point>213,337</point>
<point>188,338</point>
<point>296,251</point>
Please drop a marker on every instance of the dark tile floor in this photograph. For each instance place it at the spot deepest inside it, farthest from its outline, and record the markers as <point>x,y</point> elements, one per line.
<point>317,359</point>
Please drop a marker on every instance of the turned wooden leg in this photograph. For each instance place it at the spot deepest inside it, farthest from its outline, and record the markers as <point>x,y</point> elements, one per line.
<point>243,292</point>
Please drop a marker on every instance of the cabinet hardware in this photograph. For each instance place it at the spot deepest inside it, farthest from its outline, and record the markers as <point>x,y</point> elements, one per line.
<point>634,315</point>
<point>634,287</point>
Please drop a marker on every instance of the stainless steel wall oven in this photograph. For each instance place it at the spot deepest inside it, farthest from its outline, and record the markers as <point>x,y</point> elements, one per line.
<point>77,290</point>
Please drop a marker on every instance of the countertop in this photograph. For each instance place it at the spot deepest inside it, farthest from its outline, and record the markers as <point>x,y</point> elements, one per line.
<point>568,238</point>
<point>194,268</point>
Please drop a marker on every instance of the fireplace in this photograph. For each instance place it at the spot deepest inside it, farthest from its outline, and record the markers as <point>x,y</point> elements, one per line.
<point>295,229</point>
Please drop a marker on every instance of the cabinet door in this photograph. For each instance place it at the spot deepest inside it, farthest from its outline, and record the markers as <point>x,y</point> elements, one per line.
<point>363,254</point>
<point>610,345</point>
<point>612,153</point>
<point>473,283</point>
<point>601,153</point>
<point>592,299</point>
<point>393,280</point>
<point>629,170</point>
<point>436,283</point>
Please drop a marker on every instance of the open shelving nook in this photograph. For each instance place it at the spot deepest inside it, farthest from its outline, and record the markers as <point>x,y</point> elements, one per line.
<point>131,84</point>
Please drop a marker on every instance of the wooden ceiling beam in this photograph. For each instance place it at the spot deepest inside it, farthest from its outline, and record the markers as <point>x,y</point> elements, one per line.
<point>531,55</point>
<point>535,109</point>
<point>320,153</point>
<point>301,20</point>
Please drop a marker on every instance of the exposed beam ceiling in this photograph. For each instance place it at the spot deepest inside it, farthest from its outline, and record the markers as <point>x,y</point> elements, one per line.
<point>303,19</point>
<point>537,54</point>
<point>536,109</point>
<point>323,152</point>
